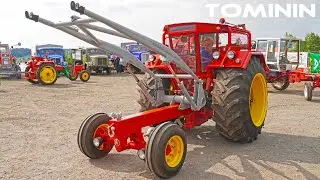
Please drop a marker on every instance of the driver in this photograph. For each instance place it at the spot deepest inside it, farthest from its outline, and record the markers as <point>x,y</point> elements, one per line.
<point>206,52</point>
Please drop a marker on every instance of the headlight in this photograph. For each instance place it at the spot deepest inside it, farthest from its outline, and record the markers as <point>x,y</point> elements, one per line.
<point>231,54</point>
<point>152,58</point>
<point>216,55</point>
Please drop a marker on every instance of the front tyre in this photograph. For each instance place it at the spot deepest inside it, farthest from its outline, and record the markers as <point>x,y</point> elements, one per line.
<point>281,84</point>
<point>240,101</point>
<point>166,150</point>
<point>93,128</point>
<point>308,91</point>
<point>84,76</point>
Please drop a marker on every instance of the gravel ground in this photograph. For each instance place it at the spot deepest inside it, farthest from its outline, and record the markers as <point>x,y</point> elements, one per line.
<point>39,127</point>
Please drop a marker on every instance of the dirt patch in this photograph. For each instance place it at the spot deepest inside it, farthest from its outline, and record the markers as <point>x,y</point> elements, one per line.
<point>39,127</point>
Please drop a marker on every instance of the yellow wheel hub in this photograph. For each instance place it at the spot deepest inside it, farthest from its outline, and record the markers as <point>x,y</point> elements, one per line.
<point>258,99</point>
<point>85,76</point>
<point>48,74</point>
<point>174,151</point>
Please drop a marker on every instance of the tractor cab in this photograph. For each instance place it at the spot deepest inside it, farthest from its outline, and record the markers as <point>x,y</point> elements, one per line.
<point>280,54</point>
<point>204,46</point>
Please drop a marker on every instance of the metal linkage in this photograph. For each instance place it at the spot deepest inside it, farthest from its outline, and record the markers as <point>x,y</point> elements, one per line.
<point>121,31</point>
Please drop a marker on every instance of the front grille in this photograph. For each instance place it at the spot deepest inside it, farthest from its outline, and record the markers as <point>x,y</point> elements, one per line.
<point>5,61</point>
<point>101,61</point>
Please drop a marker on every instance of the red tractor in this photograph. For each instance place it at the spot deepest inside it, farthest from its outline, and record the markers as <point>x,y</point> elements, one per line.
<point>211,74</point>
<point>8,64</point>
<point>45,71</point>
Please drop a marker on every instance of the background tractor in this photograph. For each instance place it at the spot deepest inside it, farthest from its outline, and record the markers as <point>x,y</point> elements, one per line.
<point>212,74</point>
<point>8,63</point>
<point>45,71</point>
<point>285,69</point>
<point>276,52</point>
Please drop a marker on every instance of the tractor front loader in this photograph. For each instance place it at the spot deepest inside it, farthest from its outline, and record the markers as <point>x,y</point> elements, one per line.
<point>184,86</point>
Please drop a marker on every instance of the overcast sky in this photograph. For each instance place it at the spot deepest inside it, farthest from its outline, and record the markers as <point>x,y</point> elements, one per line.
<point>145,16</point>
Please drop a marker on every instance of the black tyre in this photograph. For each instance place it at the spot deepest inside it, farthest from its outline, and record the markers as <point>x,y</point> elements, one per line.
<point>73,77</point>
<point>166,150</point>
<point>308,91</point>
<point>84,76</point>
<point>108,70</point>
<point>145,104</point>
<point>282,84</point>
<point>47,74</point>
<point>86,136</point>
<point>240,100</point>
<point>30,80</point>
<point>18,69</point>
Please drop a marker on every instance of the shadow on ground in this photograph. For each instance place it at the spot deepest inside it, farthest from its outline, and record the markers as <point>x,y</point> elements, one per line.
<point>209,151</point>
<point>57,86</point>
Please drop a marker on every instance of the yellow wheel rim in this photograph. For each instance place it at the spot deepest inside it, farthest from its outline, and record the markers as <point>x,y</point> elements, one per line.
<point>258,99</point>
<point>174,151</point>
<point>48,74</point>
<point>85,76</point>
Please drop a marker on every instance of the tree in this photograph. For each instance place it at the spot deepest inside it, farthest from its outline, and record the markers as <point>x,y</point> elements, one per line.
<point>312,42</point>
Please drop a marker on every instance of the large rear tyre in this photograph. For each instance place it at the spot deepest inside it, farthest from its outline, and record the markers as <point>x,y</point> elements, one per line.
<point>308,91</point>
<point>282,84</point>
<point>26,71</point>
<point>166,150</point>
<point>148,80</point>
<point>47,74</point>
<point>240,100</point>
<point>89,134</point>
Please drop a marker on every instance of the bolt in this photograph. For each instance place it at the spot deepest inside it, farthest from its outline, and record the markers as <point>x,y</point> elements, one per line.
<point>116,142</point>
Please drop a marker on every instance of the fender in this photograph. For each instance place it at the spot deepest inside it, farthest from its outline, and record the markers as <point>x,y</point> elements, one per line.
<point>262,60</point>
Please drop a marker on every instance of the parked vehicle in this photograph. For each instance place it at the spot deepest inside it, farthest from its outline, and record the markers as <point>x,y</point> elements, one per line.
<point>8,64</point>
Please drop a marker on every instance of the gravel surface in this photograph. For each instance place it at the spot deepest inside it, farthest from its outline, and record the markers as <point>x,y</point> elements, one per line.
<point>39,128</point>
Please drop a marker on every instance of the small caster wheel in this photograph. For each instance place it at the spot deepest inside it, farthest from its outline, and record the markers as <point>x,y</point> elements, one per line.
<point>166,150</point>
<point>308,91</point>
<point>92,136</point>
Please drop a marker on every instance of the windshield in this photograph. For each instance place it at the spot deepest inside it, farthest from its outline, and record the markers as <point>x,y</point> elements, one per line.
<point>184,46</point>
<point>137,47</point>
<point>96,52</point>
<point>262,46</point>
<point>51,52</point>
<point>4,49</point>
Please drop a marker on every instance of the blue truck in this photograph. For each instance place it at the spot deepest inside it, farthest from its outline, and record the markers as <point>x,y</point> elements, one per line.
<point>54,52</point>
<point>138,50</point>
